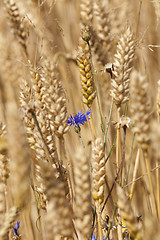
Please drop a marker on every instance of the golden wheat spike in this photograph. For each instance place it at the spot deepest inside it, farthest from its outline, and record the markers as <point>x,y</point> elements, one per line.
<point>122,68</point>
<point>98,174</point>
<point>15,21</point>
<point>140,108</point>
<point>82,194</point>
<point>86,75</point>
<point>134,227</point>
<point>59,213</point>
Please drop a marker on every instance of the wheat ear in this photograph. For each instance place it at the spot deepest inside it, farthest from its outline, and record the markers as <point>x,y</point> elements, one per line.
<point>120,80</point>
<point>59,213</point>
<point>85,13</point>
<point>87,81</point>
<point>151,228</point>
<point>122,68</point>
<point>16,23</point>
<point>140,107</point>
<point>2,202</point>
<point>101,38</point>
<point>18,151</point>
<point>98,176</point>
<point>3,173</point>
<point>4,159</point>
<point>98,173</point>
<point>54,98</point>
<point>9,219</point>
<point>82,194</point>
<point>127,215</point>
<point>155,140</point>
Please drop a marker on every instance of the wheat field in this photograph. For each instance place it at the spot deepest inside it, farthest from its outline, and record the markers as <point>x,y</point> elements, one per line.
<point>79,119</point>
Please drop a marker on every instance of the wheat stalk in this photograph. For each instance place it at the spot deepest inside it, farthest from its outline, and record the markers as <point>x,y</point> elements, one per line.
<point>158,101</point>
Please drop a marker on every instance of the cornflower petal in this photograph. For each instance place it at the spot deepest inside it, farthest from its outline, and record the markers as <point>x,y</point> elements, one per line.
<point>93,237</point>
<point>79,119</point>
<point>16,229</point>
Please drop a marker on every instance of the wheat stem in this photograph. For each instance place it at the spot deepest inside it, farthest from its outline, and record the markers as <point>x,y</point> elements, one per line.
<point>99,220</point>
<point>134,175</point>
<point>119,230</point>
<point>107,126</point>
<point>148,166</point>
<point>129,165</point>
<point>118,150</point>
<point>93,127</point>
<point>158,193</point>
<point>28,224</point>
<point>111,149</point>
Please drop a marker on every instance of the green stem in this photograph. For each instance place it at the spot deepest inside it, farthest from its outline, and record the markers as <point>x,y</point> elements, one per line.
<point>125,108</point>
<point>82,143</point>
<point>107,126</point>
<point>111,149</point>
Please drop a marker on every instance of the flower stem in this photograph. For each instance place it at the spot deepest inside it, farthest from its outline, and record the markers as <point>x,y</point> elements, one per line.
<point>93,127</point>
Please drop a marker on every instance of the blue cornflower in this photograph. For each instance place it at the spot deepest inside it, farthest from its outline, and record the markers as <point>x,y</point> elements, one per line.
<point>94,238</point>
<point>79,119</point>
<point>16,229</point>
